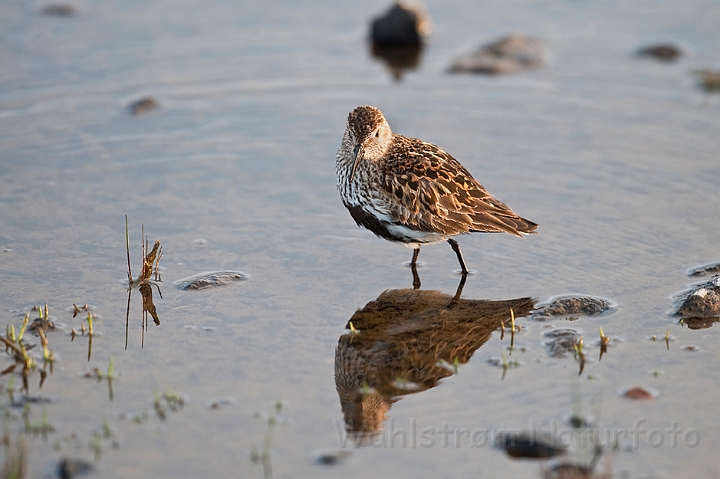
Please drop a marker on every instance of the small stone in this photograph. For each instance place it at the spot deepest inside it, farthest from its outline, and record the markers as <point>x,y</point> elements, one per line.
<point>663,51</point>
<point>638,393</point>
<point>44,324</point>
<point>220,403</point>
<point>400,26</point>
<point>331,457</point>
<point>511,54</point>
<point>143,105</point>
<point>59,9</point>
<point>69,468</point>
<point>700,301</point>
<point>704,269</point>
<point>209,280</point>
<point>572,305</point>
<point>529,445</point>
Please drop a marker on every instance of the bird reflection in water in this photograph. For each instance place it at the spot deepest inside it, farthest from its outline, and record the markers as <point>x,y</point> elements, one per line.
<point>405,342</point>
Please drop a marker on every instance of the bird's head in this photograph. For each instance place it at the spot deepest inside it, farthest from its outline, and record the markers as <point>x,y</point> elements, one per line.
<point>369,134</point>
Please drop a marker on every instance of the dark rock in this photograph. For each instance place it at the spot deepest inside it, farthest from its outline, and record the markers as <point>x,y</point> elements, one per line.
<point>40,323</point>
<point>572,305</point>
<point>663,51</point>
<point>208,280</point>
<point>400,26</point>
<point>700,301</point>
<point>511,54</point>
<point>69,468</point>
<point>529,445</point>
<point>703,269</point>
<point>59,9</point>
<point>143,105</point>
<point>331,458</point>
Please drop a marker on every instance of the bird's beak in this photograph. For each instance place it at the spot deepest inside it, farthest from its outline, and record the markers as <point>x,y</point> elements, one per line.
<point>357,155</point>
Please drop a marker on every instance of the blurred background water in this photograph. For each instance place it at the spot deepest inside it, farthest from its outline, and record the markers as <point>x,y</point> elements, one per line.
<point>616,158</point>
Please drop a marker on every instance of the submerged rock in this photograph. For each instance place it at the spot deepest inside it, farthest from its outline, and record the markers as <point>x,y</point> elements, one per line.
<point>710,79</point>
<point>59,9</point>
<point>703,269</point>
<point>208,280</point>
<point>68,468</point>
<point>563,341</point>
<point>662,51</point>
<point>40,323</point>
<point>529,445</point>
<point>567,470</point>
<point>143,105</point>
<point>700,301</point>
<point>400,26</point>
<point>511,54</point>
<point>569,305</point>
<point>331,457</point>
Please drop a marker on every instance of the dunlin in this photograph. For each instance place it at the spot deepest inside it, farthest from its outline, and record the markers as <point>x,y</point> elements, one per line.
<point>412,192</point>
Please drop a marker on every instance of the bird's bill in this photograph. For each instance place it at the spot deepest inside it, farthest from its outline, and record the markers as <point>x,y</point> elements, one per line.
<point>357,155</point>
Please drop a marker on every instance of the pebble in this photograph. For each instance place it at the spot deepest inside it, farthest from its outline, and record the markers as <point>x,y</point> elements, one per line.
<point>662,51</point>
<point>511,54</point>
<point>400,26</point>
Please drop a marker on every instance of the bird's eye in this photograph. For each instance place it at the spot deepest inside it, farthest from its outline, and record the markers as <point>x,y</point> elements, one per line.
<point>377,133</point>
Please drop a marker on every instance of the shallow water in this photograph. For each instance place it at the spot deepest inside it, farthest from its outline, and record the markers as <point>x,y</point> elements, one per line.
<point>614,156</point>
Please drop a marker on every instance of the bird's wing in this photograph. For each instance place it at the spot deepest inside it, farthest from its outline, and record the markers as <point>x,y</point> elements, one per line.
<point>428,190</point>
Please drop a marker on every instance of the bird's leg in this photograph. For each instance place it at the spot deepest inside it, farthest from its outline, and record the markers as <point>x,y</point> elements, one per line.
<point>456,247</point>
<point>416,276</point>
<point>416,253</point>
<point>413,268</point>
<point>459,291</point>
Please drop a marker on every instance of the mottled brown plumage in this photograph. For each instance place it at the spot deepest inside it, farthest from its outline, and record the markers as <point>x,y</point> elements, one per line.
<point>409,191</point>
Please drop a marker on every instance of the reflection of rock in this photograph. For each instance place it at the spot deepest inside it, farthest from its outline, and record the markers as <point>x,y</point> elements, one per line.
<point>699,304</point>
<point>398,59</point>
<point>662,51</point>
<point>572,305</point>
<point>400,26</point>
<point>511,54</point>
<point>404,342</point>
